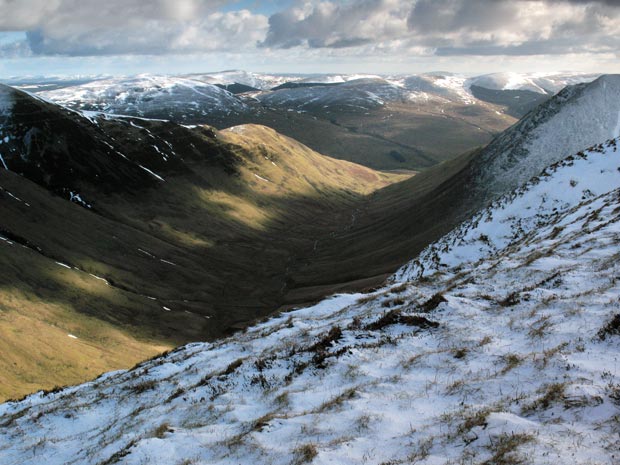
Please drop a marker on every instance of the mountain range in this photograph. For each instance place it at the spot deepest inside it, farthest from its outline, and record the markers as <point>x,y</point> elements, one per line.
<point>389,122</point>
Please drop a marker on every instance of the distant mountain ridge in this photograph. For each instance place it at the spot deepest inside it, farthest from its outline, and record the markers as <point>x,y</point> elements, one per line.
<point>384,122</point>
<point>351,112</point>
<point>178,99</point>
<point>542,83</point>
<point>353,109</point>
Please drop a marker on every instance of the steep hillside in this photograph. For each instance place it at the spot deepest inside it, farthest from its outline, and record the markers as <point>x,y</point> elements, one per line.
<point>503,356</point>
<point>421,209</point>
<point>574,119</point>
<point>150,231</point>
<point>558,189</point>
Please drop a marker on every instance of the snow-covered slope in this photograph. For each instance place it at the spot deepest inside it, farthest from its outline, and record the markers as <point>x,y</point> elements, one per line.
<point>512,360</point>
<point>180,99</point>
<point>542,202</point>
<point>336,78</point>
<point>576,118</point>
<point>433,85</point>
<point>256,80</point>
<point>365,92</point>
<point>358,94</point>
<point>542,83</point>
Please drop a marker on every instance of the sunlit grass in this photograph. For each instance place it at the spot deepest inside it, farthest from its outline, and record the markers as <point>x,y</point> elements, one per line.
<point>45,344</point>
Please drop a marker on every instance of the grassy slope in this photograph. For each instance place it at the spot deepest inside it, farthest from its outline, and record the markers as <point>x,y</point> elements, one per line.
<point>226,241</point>
<point>421,133</point>
<point>393,223</point>
<point>247,221</point>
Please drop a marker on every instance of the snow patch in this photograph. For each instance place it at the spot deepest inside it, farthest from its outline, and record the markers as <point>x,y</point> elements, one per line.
<point>152,173</point>
<point>76,198</point>
<point>261,178</point>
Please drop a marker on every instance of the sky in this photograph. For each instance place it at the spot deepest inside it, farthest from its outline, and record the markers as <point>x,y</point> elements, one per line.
<point>123,37</point>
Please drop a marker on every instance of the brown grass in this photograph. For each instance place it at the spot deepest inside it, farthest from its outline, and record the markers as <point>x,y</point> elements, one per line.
<point>504,449</point>
<point>305,453</point>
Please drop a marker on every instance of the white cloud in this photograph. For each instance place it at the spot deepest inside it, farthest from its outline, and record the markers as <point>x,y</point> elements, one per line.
<point>478,27</point>
<point>89,27</point>
<point>329,24</point>
<point>319,33</point>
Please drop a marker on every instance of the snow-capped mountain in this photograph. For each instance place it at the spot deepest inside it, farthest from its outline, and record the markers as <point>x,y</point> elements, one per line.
<point>355,95</point>
<point>342,116</point>
<point>507,355</point>
<point>366,92</point>
<point>196,97</point>
<point>179,99</point>
<point>256,80</point>
<point>335,78</point>
<point>433,85</point>
<point>576,118</point>
<point>542,83</point>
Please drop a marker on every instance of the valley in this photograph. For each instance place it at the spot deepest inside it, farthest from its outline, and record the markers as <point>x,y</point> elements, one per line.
<point>143,234</point>
<point>319,232</point>
<point>494,346</point>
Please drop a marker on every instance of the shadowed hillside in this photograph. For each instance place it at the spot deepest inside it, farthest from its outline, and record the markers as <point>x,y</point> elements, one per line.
<point>134,235</point>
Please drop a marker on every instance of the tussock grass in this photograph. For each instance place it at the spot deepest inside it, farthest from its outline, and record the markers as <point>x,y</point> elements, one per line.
<point>550,394</point>
<point>504,449</point>
<point>305,453</point>
<point>612,328</point>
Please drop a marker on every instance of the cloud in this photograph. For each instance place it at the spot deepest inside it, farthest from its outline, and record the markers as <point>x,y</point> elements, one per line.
<point>451,27</point>
<point>89,27</point>
<point>615,3</point>
<point>359,28</point>
<point>16,49</point>
<point>328,24</point>
<point>504,27</point>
